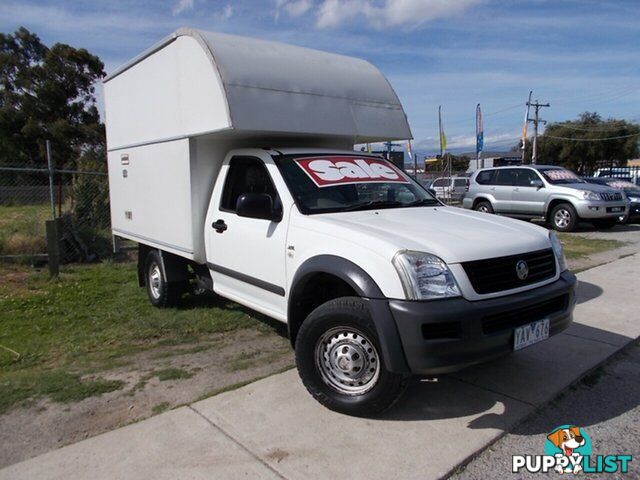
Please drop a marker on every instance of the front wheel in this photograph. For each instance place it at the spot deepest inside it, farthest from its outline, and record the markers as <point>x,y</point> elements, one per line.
<point>564,217</point>
<point>340,362</point>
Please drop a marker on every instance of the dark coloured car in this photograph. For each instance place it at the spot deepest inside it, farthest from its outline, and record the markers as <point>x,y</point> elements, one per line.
<point>631,191</point>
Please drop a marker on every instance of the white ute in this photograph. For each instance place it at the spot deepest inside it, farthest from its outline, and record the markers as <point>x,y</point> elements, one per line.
<point>231,163</point>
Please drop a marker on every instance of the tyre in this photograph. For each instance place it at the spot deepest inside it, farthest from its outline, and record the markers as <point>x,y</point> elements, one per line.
<point>605,223</point>
<point>161,292</point>
<point>340,362</point>
<point>564,217</point>
<point>483,206</point>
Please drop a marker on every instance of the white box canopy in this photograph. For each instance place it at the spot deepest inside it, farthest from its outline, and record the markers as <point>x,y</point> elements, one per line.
<point>198,83</point>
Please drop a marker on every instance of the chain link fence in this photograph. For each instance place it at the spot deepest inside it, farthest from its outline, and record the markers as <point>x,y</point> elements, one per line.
<point>78,199</point>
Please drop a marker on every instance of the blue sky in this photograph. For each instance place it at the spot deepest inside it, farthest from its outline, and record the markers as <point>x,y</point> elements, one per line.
<point>576,54</point>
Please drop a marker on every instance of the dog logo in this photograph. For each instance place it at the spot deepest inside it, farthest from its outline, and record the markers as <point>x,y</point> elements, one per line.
<point>567,449</point>
<point>568,441</point>
<point>522,269</point>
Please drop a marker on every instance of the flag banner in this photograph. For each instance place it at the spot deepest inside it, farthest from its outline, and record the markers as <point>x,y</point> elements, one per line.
<point>409,153</point>
<point>443,138</point>
<point>479,131</point>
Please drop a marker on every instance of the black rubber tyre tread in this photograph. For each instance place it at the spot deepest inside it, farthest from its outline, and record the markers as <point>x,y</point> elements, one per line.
<point>344,311</point>
<point>486,203</point>
<point>170,292</point>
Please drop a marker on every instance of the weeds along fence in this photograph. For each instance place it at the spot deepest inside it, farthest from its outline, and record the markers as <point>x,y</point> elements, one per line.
<point>78,199</point>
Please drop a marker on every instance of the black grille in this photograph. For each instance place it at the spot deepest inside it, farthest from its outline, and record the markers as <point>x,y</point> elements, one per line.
<point>498,274</point>
<point>611,197</point>
<point>521,316</point>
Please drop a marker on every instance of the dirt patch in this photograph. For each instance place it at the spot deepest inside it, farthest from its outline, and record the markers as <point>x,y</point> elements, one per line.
<point>153,381</point>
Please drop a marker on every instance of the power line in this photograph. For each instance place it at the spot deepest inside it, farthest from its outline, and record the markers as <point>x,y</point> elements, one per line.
<point>536,120</point>
<point>590,139</point>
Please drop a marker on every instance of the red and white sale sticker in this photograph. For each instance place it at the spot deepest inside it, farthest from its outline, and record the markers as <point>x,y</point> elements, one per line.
<point>330,171</point>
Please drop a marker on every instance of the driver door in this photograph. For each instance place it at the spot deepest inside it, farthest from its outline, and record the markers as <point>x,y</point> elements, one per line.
<point>247,255</point>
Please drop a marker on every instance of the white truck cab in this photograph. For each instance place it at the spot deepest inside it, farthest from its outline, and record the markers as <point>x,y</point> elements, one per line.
<point>231,163</point>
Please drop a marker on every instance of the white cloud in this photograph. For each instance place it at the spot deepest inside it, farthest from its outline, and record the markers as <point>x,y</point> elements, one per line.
<point>298,7</point>
<point>226,13</point>
<point>293,8</point>
<point>182,6</point>
<point>388,13</point>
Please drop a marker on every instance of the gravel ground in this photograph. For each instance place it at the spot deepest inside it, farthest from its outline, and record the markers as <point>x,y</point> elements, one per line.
<point>605,404</point>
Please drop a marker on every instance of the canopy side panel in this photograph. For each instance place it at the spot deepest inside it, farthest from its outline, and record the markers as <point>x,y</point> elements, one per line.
<point>284,88</point>
<point>172,93</point>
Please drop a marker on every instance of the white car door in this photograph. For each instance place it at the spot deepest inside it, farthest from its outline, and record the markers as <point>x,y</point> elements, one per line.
<point>246,256</point>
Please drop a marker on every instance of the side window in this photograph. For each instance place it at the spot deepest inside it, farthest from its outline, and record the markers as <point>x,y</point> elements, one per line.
<point>506,176</point>
<point>486,177</point>
<point>245,175</point>
<point>441,182</point>
<point>460,182</point>
<point>525,177</point>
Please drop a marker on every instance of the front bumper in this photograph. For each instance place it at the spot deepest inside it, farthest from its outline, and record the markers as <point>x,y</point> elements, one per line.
<point>600,209</point>
<point>633,215</point>
<point>448,335</point>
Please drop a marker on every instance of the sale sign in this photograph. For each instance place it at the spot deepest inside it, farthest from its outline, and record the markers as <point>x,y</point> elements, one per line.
<point>334,170</point>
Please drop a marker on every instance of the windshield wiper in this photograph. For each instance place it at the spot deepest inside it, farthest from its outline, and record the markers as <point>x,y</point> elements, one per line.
<point>373,204</point>
<point>424,202</point>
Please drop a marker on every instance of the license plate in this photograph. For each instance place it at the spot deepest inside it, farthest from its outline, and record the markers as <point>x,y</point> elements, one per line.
<point>617,209</point>
<point>531,333</point>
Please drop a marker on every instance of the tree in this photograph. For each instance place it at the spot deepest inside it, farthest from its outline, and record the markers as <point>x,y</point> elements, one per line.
<point>46,93</point>
<point>578,147</point>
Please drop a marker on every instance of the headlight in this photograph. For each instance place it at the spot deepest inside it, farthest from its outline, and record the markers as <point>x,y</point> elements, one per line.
<point>424,276</point>
<point>558,250</point>
<point>586,195</point>
<point>634,199</point>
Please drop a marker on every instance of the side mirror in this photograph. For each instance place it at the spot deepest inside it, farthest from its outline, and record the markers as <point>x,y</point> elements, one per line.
<point>537,183</point>
<point>258,205</point>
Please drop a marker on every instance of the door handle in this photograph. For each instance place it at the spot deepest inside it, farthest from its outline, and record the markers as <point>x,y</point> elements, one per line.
<point>219,226</point>
<point>516,189</point>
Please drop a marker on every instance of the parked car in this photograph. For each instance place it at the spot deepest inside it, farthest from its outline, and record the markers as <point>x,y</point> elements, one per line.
<point>621,173</point>
<point>632,192</point>
<point>450,187</point>
<point>553,193</point>
<point>231,163</point>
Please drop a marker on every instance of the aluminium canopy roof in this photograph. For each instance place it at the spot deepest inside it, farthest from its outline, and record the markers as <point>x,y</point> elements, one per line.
<point>265,87</point>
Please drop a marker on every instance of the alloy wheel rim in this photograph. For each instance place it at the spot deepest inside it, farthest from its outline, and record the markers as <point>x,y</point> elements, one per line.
<point>347,360</point>
<point>155,280</point>
<point>562,218</point>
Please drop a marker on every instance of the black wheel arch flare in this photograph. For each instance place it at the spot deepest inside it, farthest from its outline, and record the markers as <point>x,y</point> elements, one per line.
<point>365,287</point>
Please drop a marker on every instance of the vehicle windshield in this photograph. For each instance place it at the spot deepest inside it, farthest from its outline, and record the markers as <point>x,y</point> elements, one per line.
<point>346,183</point>
<point>559,176</point>
<point>628,187</point>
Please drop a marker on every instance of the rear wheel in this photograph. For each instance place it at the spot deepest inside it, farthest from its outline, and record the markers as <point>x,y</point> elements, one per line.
<point>564,217</point>
<point>484,206</point>
<point>340,361</point>
<point>161,292</point>
<point>605,223</point>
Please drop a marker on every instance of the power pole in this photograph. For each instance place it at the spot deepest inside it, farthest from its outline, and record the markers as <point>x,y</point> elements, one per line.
<point>536,120</point>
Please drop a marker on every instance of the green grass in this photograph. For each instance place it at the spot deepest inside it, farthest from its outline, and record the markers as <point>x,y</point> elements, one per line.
<point>160,407</point>
<point>22,229</point>
<point>171,373</point>
<point>576,246</point>
<point>90,320</point>
<point>58,385</point>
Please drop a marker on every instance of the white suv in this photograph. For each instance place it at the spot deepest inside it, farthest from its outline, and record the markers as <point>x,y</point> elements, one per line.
<point>551,192</point>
